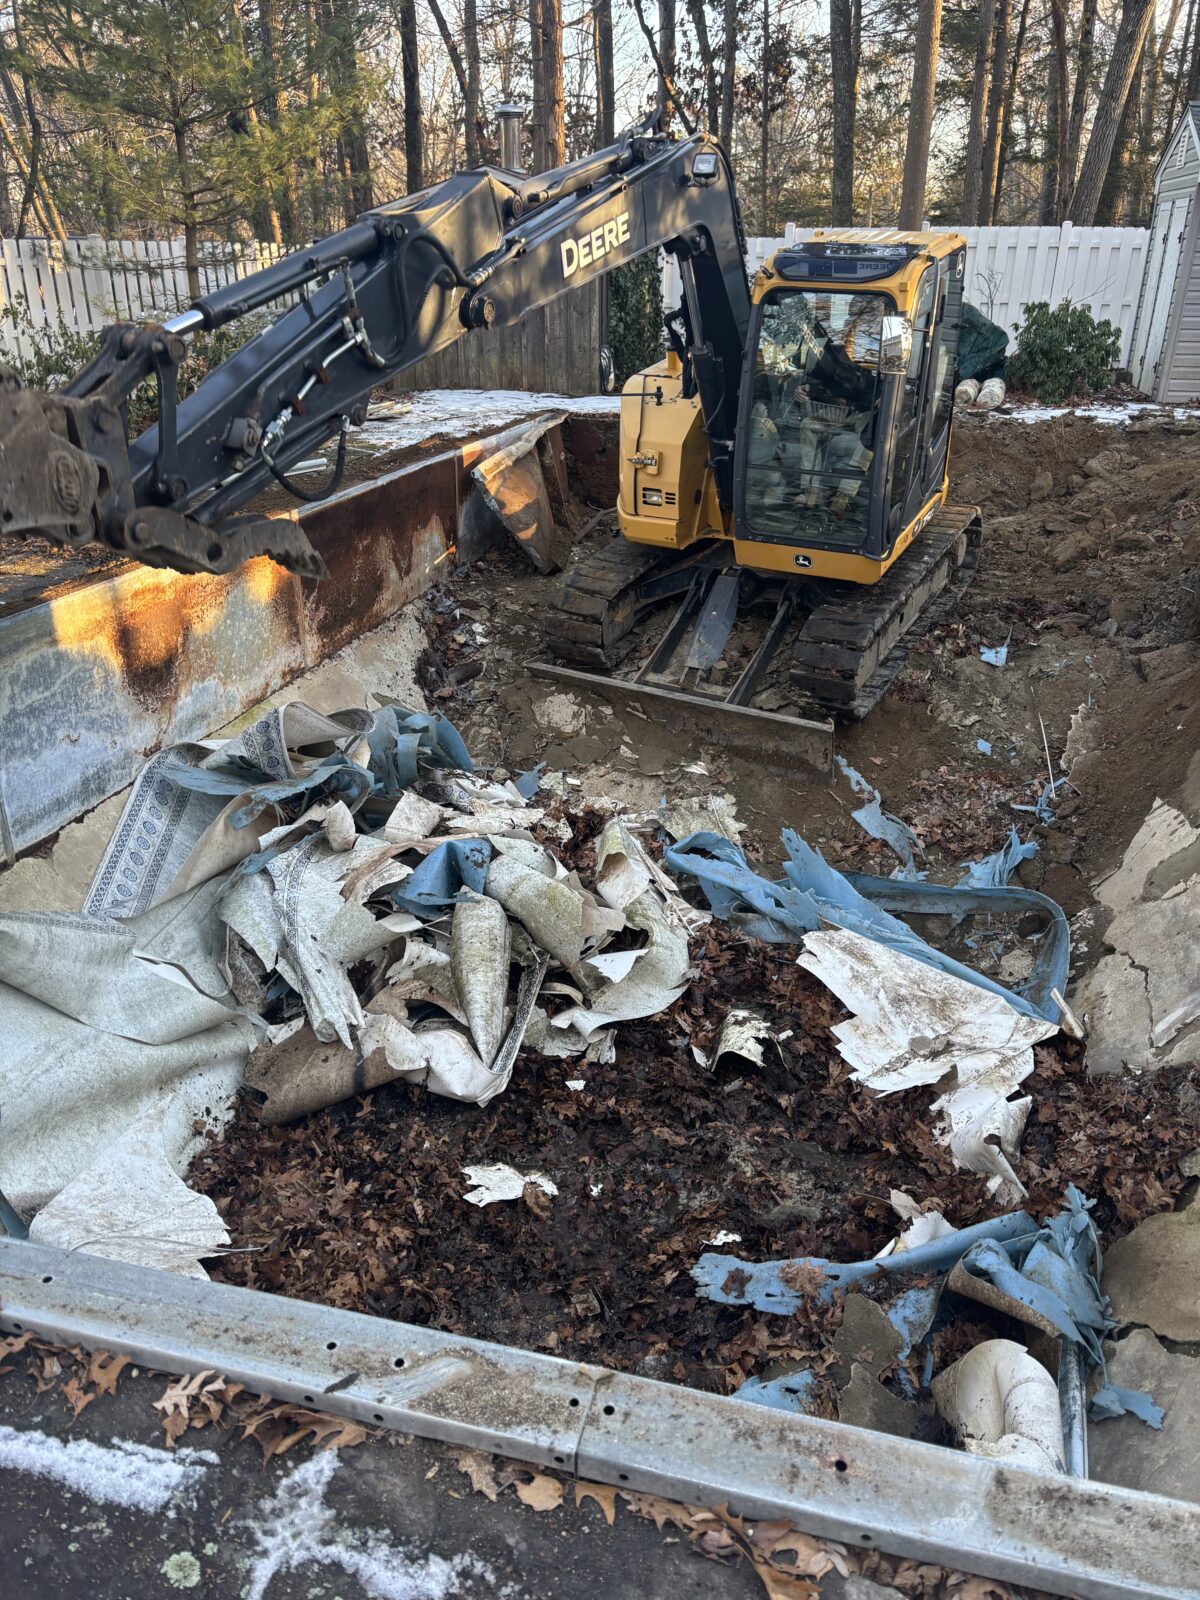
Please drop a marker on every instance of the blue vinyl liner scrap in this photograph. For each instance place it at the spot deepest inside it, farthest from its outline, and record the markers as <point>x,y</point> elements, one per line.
<point>882,825</point>
<point>811,892</point>
<point>1048,1276</point>
<point>994,871</point>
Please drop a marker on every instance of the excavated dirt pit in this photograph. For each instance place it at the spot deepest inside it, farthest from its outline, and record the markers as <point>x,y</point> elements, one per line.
<point>1089,570</point>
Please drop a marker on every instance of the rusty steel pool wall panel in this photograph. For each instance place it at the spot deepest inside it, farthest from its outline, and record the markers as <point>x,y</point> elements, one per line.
<point>96,679</point>
<point>1076,1538</point>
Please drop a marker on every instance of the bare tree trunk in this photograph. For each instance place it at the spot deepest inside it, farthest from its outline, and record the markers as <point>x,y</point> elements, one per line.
<point>844,43</point>
<point>410,71</point>
<point>461,73</point>
<point>728,72</point>
<point>668,88</point>
<point>666,56</point>
<point>276,112</point>
<point>1114,98</point>
<point>977,120</point>
<point>606,94</point>
<point>1079,101</point>
<point>708,65</point>
<point>1010,95</point>
<point>473,132</point>
<point>187,207</point>
<point>1189,23</point>
<point>552,69</point>
<point>347,93</point>
<point>537,109</point>
<point>996,88</point>
<point>764,144</point>
<point>38,190</point>
<point>920,113</point>
<point>1117,177</point>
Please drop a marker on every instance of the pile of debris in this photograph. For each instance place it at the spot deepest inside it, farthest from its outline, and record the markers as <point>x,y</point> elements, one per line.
<point>341,917</point>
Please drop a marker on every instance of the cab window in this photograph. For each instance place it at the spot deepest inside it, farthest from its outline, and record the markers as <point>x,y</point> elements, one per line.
<point>813,414</point>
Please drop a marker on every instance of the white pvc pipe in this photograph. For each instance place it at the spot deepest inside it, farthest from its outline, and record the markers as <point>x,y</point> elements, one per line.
<point>1004,1404</point>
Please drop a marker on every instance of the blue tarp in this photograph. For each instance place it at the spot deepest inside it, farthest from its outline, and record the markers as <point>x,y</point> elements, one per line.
<point>782,910</point>
<point>784,1286</point>
<point>1053,1270</point>
<point>400,739</point>
<point>996,655</point>
<point>994,871</point>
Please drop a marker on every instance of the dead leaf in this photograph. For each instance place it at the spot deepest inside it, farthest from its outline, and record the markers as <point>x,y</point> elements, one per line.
<point>541,1493</point>
<point>194,1402</point>
<point>538,1201</point>
<point>278,1427</point>
<point>76,1396</point>
<point>478,1467</point>
<point>602,1493</point>
<point>104,1369</point>
<point>12,1347</point>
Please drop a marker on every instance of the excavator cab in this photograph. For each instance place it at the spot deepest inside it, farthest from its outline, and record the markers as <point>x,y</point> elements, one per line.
<point>847,397</point>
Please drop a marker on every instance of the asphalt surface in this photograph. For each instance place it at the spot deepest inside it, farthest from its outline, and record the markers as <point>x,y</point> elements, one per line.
<point>391,1519</point>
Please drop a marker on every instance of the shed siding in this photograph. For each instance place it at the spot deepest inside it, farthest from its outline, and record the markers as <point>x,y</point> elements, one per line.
<point>1177,178</point>
<point>1182,381</point>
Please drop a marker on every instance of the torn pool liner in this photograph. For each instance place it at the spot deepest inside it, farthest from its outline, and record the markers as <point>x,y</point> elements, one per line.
<point>1046,1279</point>
<point>461,919</point>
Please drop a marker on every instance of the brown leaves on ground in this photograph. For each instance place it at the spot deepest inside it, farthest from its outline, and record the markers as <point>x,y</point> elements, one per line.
<point>788,1563</point>
<point>274,1425</point>
<point>80,1376</point>
<point>278,1426</point>
<point>360,1206</point>
<point>194,1402</point>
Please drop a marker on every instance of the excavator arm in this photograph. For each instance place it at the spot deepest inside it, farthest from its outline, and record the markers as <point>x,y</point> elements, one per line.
<point>473,253</point>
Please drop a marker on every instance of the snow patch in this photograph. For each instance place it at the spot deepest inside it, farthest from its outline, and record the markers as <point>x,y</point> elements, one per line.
<point>1109,416</point>
<point>136,1476</point>
<point>430,413</point>
<point>295,1529</point>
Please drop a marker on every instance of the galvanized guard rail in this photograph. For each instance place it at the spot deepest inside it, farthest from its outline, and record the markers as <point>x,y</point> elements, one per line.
<point>865,1489</point>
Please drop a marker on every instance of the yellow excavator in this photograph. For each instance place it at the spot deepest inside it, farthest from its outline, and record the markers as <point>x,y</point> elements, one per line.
<point>837,526</point>
<point>783,468</point>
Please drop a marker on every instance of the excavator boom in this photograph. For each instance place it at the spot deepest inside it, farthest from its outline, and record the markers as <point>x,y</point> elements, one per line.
<point>475,252</point>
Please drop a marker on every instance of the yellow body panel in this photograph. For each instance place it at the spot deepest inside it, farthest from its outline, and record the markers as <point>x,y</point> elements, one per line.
<point>664,449</point>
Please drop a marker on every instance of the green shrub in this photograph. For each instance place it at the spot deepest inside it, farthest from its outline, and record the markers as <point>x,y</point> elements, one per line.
<point>635,315</point>
<point>1063,352</point>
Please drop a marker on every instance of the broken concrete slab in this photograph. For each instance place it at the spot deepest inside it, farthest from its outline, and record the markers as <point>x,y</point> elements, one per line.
<point>1152,1275</point>
<point>866,1338</point>
<point>1122,1450</point>
<point>1141,1002</point>
<point>865,1403</point>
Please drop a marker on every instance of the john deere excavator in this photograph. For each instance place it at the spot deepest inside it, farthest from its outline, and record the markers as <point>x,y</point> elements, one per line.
<point>788,454</point>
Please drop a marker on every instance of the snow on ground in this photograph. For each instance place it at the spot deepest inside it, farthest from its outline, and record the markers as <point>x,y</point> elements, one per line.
<point>295,1530</point>
<point>429,413</point>
<point>1117,415</point>
<point>136,1476</point>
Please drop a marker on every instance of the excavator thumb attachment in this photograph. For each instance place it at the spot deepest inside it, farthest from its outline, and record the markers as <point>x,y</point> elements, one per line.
<point>65,476</point>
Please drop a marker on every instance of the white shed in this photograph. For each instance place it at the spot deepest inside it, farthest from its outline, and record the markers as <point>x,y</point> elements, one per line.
<point>1165,358</point>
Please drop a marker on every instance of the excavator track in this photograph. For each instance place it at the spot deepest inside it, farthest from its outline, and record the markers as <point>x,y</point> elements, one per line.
<point>599,603</point>
<point>853,644</point>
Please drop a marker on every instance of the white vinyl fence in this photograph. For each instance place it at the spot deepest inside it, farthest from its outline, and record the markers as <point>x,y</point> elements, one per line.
<point>1007,267</point>
<point>83,284</point>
